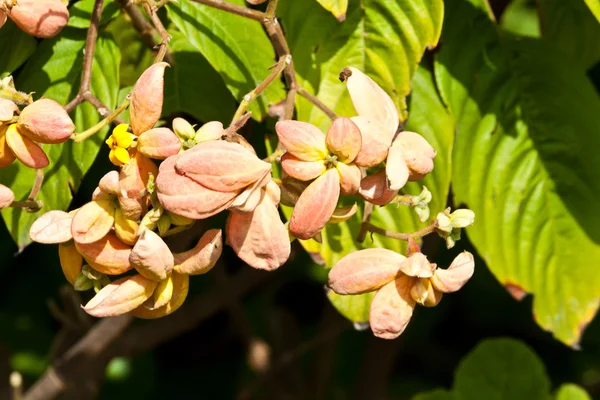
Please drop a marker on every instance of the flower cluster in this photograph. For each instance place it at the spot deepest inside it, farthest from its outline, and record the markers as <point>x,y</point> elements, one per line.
<point>39,18</point>
<point>400,283</point>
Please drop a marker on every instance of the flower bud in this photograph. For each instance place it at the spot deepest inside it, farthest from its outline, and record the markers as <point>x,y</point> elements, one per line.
<point>158,143</point>
<point>147,98</point>
<point>25,149</point>
<point>40,18</point>
<point>7,107</point>
<point>46,121</point>
<point>52,227</point>
<point>425,294</point>
<point>183,129</point>
<point>121,296</point>
<point>163,224</point>
<point>208,132</point>
<point>70,261</point>
<point>109,183</point>
<point>151,256</point>
<point>462,218</point>
<point>82,283</point>
<point>6,197</point>
<point>179,220</point>
<point>203,257</point>
<point>7,156</point>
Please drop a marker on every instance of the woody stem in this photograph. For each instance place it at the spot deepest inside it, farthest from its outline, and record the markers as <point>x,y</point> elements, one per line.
<point>401,236</point>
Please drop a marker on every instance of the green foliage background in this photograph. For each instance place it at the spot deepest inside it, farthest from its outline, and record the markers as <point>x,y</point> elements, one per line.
<point>508,96</point>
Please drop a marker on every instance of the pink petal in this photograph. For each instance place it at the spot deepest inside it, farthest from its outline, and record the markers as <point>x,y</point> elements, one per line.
<point>375,142</point>
<point>301,139</point>
<point>344,139</point>
<point>391,308</point>
<point>302,170</point>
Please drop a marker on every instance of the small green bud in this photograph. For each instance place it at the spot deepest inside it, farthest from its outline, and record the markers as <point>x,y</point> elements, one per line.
<point>164,223</point>
<point>443,222</point>
<point>82,283</point>
<point>462,218</point>
<point>91,273</point>
<point>151,186</point>
<point>422,212</point>
<point>178,220</point>
<point>425,196</point>
<point>452,238</point>
<point>183,129</point>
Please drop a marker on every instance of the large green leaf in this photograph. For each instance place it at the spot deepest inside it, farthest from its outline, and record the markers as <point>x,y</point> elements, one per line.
<point>429,117</point>
<point>573,28</point>
<point>80,13</point>
<point>594,6</point>
<point>54,72</point>
<point>384,38</point>
<point>522,17</point>
<point>526,161</point>
<point>15,47</point>
<point>501,369</point>
<point>236,47</point>
<point>205,99</point>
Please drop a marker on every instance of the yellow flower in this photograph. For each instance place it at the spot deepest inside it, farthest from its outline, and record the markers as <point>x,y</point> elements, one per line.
<point>119,142</point>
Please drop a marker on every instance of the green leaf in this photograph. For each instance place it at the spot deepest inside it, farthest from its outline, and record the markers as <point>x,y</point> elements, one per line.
<point>570,391</point>
<point>15,47</point>
<point>526,162</point>
<point>206,99</point>
<point>594,6</point>
<point>522,17</point>
<point>80,13</point>
<point>438,394</point>
<point>573,28</point>
<point>501,369</point>
<point>54,72</point>
<point>354,307</point>
<point>336,7</point>
<point>385,39</point>
<point>236,47</point>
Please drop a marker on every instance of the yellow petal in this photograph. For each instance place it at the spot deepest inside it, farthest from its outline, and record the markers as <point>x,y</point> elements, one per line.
<point>122,155</point>
<point>121,136</point>
<point>110,142</point>
<point>113,158</point>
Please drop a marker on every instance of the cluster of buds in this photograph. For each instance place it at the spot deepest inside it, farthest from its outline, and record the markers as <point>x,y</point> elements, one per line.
<point>335,164</point>
<point>115,232</point>
<point>400,284</point>
<point>21,131</point>
<point>39,18</point>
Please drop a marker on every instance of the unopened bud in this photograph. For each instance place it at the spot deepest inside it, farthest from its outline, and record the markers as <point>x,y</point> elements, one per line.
<point>147,98</point>
<point>208,132</point>
<point>7,108</point>
<point>40,18</point>
<point>183,129</point>
<point>82,283</point>
<point>163,224</point>
<point>6,197</point>
<point>46,121</point>
<point>462,218</point>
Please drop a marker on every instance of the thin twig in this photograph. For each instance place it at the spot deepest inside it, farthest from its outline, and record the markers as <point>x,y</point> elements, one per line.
<point>80,137</point>
<point>313,99</point>
<point>401,236</point>
<point>234,9</point>
<point>37,184</point>
<point>90,47</point>
<point>236,125</point>
<point>249,98</point>
<point>368,210</point>
<point>151,10</point>
<point>28,205</point>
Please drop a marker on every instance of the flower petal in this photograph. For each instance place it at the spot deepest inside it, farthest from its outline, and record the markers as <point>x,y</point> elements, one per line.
<point>203,257</point>
<point>302,140</point>
<point>374,189</point>
<point>46,121</point>
<point>315,205</point>
<point>260,237</point>
<point>396,169</point>
<point>364,271</point>
<point>375,142</point>
<point>391,308</point>
<point>302,170</point>
<point>458,273</point>
<point>93,221</point>
<point>6,196</point>
<point>147,98</point>
<point>121,296</point>
<point>425,294</point>
<point>26,150</point>
<point>70,261</point>
<point>417,265</point>
<point>7,156</point>
<point>7,107</point>
<point>417,153</point>
<point>52,227</point>
<point>222,166</point>
<point>181,284</point>
<point>184,196</point>
<point>344,139</point>
<point>108,255</point>
<point>151,256</point>
<point>159,143</point>
<point>371,101</point>
<point>349,178</point>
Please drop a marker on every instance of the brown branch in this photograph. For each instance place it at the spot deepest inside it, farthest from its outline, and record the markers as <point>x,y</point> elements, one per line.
<point>144,28</point>
<point>234,9</point>
<point>152,10</point>
<point>90,47</point>
<point>368,210</point>
<point>313,99</point>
